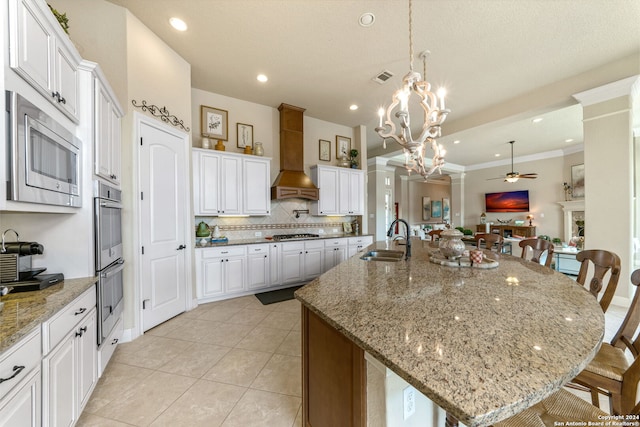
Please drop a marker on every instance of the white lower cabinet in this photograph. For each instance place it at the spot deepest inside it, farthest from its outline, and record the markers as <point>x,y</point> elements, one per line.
<point>258,267</point>
<point>335,251</point>
<point>109,345</point>
<point>70,365</point>
<point>220,271</point>
<point>20,389</point>
<point>275,263</point>
<point>292,262</point>
<point>313,259</point>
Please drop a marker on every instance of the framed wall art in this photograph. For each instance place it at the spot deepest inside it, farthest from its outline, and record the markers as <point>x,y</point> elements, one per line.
<point>325,150</point>
<point>343,146</point>
<point>245,135</point>
<point>214,123</point>
<point>436,209</point>
<point>577,181</point>
<point>426,208</point>
<point>446,210</point>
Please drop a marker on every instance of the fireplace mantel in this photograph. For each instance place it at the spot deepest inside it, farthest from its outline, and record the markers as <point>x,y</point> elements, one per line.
<point>569,207</point>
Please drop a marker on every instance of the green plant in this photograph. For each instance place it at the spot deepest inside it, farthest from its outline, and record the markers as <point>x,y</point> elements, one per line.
<point>62,19</point>
<point>467,232</point>
<point>544,237</point>
<point>460,229</point>
<point>556,241</point>
<point>353,154</point>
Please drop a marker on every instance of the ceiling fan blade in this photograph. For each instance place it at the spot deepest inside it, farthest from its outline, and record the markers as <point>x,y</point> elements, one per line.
<point>528,175</point>
<point>491,179</point>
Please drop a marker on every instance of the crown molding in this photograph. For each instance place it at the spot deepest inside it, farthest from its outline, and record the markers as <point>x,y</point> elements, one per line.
<point>625,87</point>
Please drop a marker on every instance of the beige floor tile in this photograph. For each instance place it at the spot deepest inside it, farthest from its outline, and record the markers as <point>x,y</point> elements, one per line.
<point>115,380</point>
<point>90,420</point>
<point>291,306</point>
<point>281,320</point>
<point>164,328</point>
<point>282,374</point>
<point>137,344</point>
<point>157,353</point>
<point>248,317</point>
<point>240,302</point>
<point>238,367</point>
<point>197,312</point>
<point>219,313</point>
<point>205,404</point>
<point>259,408</point>
<point>255,304</point>
<point>196,361</point>
<point>298,422</point>
<point>143,403</point>
<point>192,331</point>
<point>297,326</point>
<point>263,339</point>
<point>225,334</point>
<point>292,344</point>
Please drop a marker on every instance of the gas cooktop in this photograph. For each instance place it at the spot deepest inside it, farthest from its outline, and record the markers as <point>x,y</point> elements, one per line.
<point>297,236</point>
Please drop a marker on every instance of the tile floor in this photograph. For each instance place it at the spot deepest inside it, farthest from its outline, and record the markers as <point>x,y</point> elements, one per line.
<point>230,363</point>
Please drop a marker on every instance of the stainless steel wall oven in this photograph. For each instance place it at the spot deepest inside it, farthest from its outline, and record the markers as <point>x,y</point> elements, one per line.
<point>109,262</point>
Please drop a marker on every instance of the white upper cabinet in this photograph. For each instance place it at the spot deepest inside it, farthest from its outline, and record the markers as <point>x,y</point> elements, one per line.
<point>341,191</point>
<point>42,54</point>
<point>230,184</point>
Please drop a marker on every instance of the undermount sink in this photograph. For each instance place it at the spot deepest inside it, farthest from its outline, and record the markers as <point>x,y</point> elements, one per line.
<point>383,255</point>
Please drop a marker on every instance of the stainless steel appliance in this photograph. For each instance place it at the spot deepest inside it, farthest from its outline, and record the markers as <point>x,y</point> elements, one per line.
<point>109,262</point>
<point>15,259</point>
<point>297,236</point>
<point>44,158</point>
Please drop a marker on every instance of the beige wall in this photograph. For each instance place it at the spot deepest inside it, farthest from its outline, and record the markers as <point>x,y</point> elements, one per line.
<point>544,194</point>
<point>419,189</point>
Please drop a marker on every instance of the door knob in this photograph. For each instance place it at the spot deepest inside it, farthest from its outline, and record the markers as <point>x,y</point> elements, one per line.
<point>181,247</point>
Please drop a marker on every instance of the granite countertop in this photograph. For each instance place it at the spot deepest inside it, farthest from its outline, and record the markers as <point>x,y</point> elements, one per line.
<point>25,311</point>
<point>262,240</point>
<point>482,344</point>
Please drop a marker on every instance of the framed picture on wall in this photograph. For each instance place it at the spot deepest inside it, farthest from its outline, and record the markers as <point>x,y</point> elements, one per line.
<point>325,150</point>
<point>213,122</point>
<point>577,181</point>
<point>343,146</point>
<point>446,210</point>
<point>436,209</point>
<point>245,135</point>
<point>426,208</point>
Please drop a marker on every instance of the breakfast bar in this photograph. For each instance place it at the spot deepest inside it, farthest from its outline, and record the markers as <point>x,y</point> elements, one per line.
<point>481,343</point>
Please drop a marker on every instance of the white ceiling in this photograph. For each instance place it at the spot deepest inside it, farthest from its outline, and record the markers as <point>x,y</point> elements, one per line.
<point>488,53</point>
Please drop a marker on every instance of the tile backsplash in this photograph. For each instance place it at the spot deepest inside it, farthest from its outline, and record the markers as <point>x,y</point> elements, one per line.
<point>281,221</point>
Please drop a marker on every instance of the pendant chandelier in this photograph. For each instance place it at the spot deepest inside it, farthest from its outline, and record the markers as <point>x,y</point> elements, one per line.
<point>434,115</point>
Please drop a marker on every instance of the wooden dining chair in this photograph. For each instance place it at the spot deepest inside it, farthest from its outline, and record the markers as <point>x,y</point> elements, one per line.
<point>559,409</point>
<point>610,372</point>
<point>490,239</point>
<point>539,247</point>
<point>435,234</point>
<point>603,262</point>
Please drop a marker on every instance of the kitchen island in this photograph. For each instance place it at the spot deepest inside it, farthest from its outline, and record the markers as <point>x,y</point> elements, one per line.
<point>483,344</point>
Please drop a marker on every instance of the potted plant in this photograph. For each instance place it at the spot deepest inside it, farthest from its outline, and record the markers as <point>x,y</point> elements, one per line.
<point>352,158</point>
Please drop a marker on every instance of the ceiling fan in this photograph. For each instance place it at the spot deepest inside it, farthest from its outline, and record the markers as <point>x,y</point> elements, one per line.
<point>515,176</point>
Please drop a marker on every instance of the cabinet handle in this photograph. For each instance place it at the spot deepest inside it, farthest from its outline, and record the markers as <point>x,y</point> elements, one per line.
<point>265,256</point>
<point>181,247</point>
<point>62,100</point>
<point>16,371</point>
<point>82,310</point>
<point>115,341</point>
<point>82,331</point>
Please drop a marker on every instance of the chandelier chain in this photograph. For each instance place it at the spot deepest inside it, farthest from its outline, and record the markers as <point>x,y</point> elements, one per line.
<point>410,35</point>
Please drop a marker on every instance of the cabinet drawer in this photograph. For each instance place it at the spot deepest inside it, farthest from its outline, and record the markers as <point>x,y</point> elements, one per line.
<point>25,353</point>
<point>363,241</point>
<point>332,243</point>
<point>59,326</point>
<point>109,346</point>
<point>257,249</point>
<point>293,247</point>
<point>222,252</point>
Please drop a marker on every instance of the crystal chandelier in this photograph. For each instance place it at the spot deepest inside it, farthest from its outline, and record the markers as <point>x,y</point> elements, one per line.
<point>434,115</point>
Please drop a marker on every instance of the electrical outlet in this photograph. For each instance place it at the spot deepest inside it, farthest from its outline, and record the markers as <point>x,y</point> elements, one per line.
<point>258,234</point>
<point>409,394</point>
<point>335,230</point>
<point>321,231</point>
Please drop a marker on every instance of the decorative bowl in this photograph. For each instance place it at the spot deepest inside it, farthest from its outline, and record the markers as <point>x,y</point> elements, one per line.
<point>451,245</point>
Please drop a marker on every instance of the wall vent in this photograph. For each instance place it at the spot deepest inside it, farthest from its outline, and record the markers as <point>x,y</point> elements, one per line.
<point>383,76</point>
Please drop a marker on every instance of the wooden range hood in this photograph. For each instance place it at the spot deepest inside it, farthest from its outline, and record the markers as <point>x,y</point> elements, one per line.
<point>292,182</point>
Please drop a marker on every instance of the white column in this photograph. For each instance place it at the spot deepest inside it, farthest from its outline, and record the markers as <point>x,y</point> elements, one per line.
<point>608,117</point>
<point>457,204</point>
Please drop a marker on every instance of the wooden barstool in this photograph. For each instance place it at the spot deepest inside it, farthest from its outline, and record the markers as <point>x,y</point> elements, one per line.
<point>610,372</point>
<point>490,239</point>
<point>603,262</point>
<point>538,246</point>
<point>435,234</point>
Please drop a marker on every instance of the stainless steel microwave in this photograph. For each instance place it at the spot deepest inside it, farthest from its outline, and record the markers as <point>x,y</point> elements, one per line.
<point>44,158</point>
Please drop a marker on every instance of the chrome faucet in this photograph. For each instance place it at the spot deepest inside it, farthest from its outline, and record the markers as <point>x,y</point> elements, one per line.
<point>407,236</point>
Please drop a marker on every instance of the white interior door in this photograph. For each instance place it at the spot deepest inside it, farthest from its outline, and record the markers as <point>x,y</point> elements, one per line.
<point>164,206</point>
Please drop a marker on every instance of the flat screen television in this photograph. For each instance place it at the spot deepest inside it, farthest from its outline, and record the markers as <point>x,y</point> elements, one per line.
<point>507,201</point>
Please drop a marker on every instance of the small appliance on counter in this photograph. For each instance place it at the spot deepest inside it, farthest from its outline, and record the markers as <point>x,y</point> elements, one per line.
<point>15,266</point>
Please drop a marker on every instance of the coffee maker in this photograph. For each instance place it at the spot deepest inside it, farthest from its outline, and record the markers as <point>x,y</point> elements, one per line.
<point>16,268</point>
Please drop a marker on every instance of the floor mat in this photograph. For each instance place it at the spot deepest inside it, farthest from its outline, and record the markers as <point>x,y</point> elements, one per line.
<point>280,295</point>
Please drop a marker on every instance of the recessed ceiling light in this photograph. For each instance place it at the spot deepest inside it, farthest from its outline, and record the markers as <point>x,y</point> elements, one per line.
<point>457,141</point>
<point>178,24</point>
<point>353,107</point>
<point>367,19</point>
<point>568,140</point>
<point>537,120</point>
<point>497,154</point>
<point>262,78</point>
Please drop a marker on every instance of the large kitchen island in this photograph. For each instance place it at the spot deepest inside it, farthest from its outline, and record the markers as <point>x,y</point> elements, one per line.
<point>483,344</point>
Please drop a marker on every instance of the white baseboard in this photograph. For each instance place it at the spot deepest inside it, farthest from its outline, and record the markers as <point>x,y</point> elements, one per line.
<point>621,301</point>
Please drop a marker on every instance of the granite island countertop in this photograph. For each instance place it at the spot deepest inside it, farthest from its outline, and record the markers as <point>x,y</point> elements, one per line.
<point>481,344</point>
<point>25,311</point>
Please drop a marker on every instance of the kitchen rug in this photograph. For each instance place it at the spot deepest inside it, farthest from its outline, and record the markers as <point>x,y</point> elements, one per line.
<point>280,295</point>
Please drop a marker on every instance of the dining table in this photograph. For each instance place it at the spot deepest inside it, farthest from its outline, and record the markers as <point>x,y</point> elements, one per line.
<point>482,341</point>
